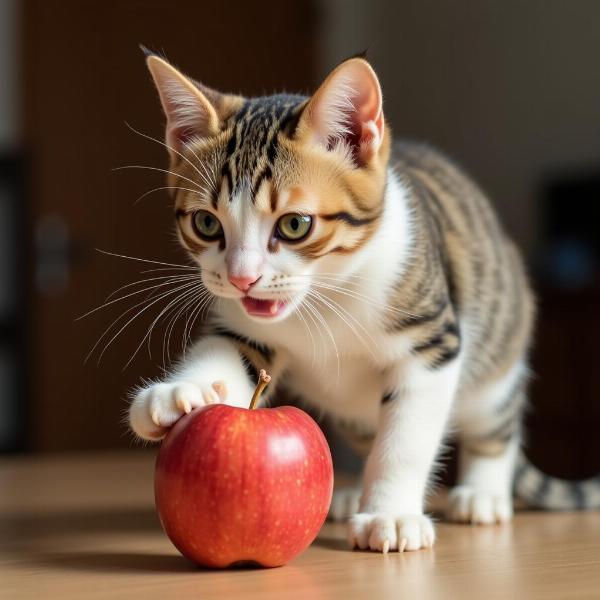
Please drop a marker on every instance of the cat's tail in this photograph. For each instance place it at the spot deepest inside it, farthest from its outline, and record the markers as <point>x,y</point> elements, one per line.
<point>551,493</point>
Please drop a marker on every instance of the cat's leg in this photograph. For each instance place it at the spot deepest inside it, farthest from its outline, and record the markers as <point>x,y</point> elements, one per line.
<point>489,442</point>
<point>345,502</point>
<point>218,369</point>
<point>483,494</point>
<point>346,498</point>
<point>411,427</point>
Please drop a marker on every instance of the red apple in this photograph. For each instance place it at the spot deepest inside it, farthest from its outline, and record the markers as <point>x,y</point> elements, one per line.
<point>235,484</point>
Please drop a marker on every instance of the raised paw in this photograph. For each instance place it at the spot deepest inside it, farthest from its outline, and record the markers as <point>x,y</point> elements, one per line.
<point>382,532</point>
<point>156,408</point>
<point>469,505</point>
<point>344,503</point>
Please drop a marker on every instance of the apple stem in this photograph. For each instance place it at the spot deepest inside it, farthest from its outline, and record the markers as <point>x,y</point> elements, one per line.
<point>263,381</point>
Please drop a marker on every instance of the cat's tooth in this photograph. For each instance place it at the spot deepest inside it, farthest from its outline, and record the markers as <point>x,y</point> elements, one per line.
<point>274,307</point>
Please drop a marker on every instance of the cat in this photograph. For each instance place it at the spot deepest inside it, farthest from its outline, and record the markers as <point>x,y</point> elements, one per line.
<point>370,278</point>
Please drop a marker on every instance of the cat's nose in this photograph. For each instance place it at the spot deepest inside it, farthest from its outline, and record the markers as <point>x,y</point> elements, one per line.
<point>243,282</point>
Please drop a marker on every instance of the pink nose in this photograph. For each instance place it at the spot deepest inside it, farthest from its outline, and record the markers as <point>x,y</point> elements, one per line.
<point>243,283</point>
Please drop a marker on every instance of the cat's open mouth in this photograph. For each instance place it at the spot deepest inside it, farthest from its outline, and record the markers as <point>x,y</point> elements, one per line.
<point>263,308</point>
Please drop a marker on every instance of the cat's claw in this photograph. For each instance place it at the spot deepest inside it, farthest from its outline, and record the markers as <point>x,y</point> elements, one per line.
<point>157,407</point>
<point>382,533</point>
<point>184,405</point>
<point>221,388</point>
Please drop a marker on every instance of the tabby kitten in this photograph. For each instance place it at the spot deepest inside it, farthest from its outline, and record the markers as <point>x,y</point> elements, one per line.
<point>375,282</point>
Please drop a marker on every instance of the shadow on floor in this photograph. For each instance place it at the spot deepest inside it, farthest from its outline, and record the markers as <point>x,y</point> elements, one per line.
<point>331,543</point>
<point>31,526</point>
<point>28,535</point>
<point>136,562</point>
<point>114,562</point>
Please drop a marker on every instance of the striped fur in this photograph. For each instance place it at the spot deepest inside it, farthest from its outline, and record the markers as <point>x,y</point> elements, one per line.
<point>543,491</point>
<point>465,270</point>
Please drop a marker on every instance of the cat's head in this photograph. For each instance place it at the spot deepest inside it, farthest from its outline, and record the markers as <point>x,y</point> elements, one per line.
<point>275,196</point>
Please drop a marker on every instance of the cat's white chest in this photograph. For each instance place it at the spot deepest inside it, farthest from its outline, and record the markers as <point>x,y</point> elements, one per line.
<point>352,393</point>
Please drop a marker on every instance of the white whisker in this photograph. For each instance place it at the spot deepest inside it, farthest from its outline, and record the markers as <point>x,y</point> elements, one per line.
<point>325,325</point>
<point>146,260</point>
<point>185,304</point>
<point>358,296</point>
<point>167,309</point>
<point>184,301</point>
<point>149,137</point>
<point>148,334</point>
<point>336,308</point>
<point>147,168</point>
<point>298,311</point>
<point>315,323</point>
<point>209,178</point>
<point>334,279</point>
<point>146,289</point>
<point>165,278</point>
<point>200,296</point>
<point>144,309</point>
<point>165,187</point>
<point>207,299</point>
<point>182,268</point>
<point>206,308</point>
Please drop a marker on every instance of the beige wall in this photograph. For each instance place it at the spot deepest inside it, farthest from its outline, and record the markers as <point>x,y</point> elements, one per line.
<point>510,88</point>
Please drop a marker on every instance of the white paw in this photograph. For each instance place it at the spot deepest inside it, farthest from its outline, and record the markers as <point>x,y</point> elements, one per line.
<point>156,408</point>
<point>382,533</point>
<point>468,505</point>
<point>344,503</point>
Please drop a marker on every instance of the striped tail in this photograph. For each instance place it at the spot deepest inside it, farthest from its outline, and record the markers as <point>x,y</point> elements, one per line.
<point>544,491</point>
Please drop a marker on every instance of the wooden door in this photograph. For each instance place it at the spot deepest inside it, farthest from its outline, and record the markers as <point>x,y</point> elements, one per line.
<point>84,78</point>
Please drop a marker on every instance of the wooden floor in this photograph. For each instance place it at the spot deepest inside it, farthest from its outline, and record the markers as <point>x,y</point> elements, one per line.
<point>85,527</point>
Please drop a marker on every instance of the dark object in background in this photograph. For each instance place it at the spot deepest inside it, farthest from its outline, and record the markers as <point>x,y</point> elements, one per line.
<point>13,360</point>
<point>570,211</point>
<point>564,419</point>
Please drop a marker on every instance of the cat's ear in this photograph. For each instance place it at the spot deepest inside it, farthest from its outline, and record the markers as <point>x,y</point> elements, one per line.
<point>189,111</point>
<point>347,109</point>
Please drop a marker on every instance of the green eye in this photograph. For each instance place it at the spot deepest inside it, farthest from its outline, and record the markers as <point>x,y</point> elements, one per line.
<point>206,225</point>
<point>294,227</point>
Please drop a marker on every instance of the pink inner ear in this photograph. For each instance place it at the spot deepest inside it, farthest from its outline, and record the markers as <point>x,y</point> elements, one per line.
<point>179,136</point>
<point>368,111</point>
<point>361,119</point>
<point>353,136</point>
<point>362,127</point>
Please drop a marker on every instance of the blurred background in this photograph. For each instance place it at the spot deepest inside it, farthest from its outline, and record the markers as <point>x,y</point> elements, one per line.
<point>509,89</point>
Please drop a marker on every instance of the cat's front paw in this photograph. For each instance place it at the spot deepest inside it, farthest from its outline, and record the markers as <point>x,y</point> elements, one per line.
<point>382,532</point>
<point>156,408</point>
<point>478,507</point>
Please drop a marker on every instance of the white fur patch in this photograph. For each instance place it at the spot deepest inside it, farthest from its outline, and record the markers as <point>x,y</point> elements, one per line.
<point>213,360</point>
<point>484,491</point>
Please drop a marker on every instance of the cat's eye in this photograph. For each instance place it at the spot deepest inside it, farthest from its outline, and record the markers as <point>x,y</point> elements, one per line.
<point>206,225</point>
<point>293,227</point>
